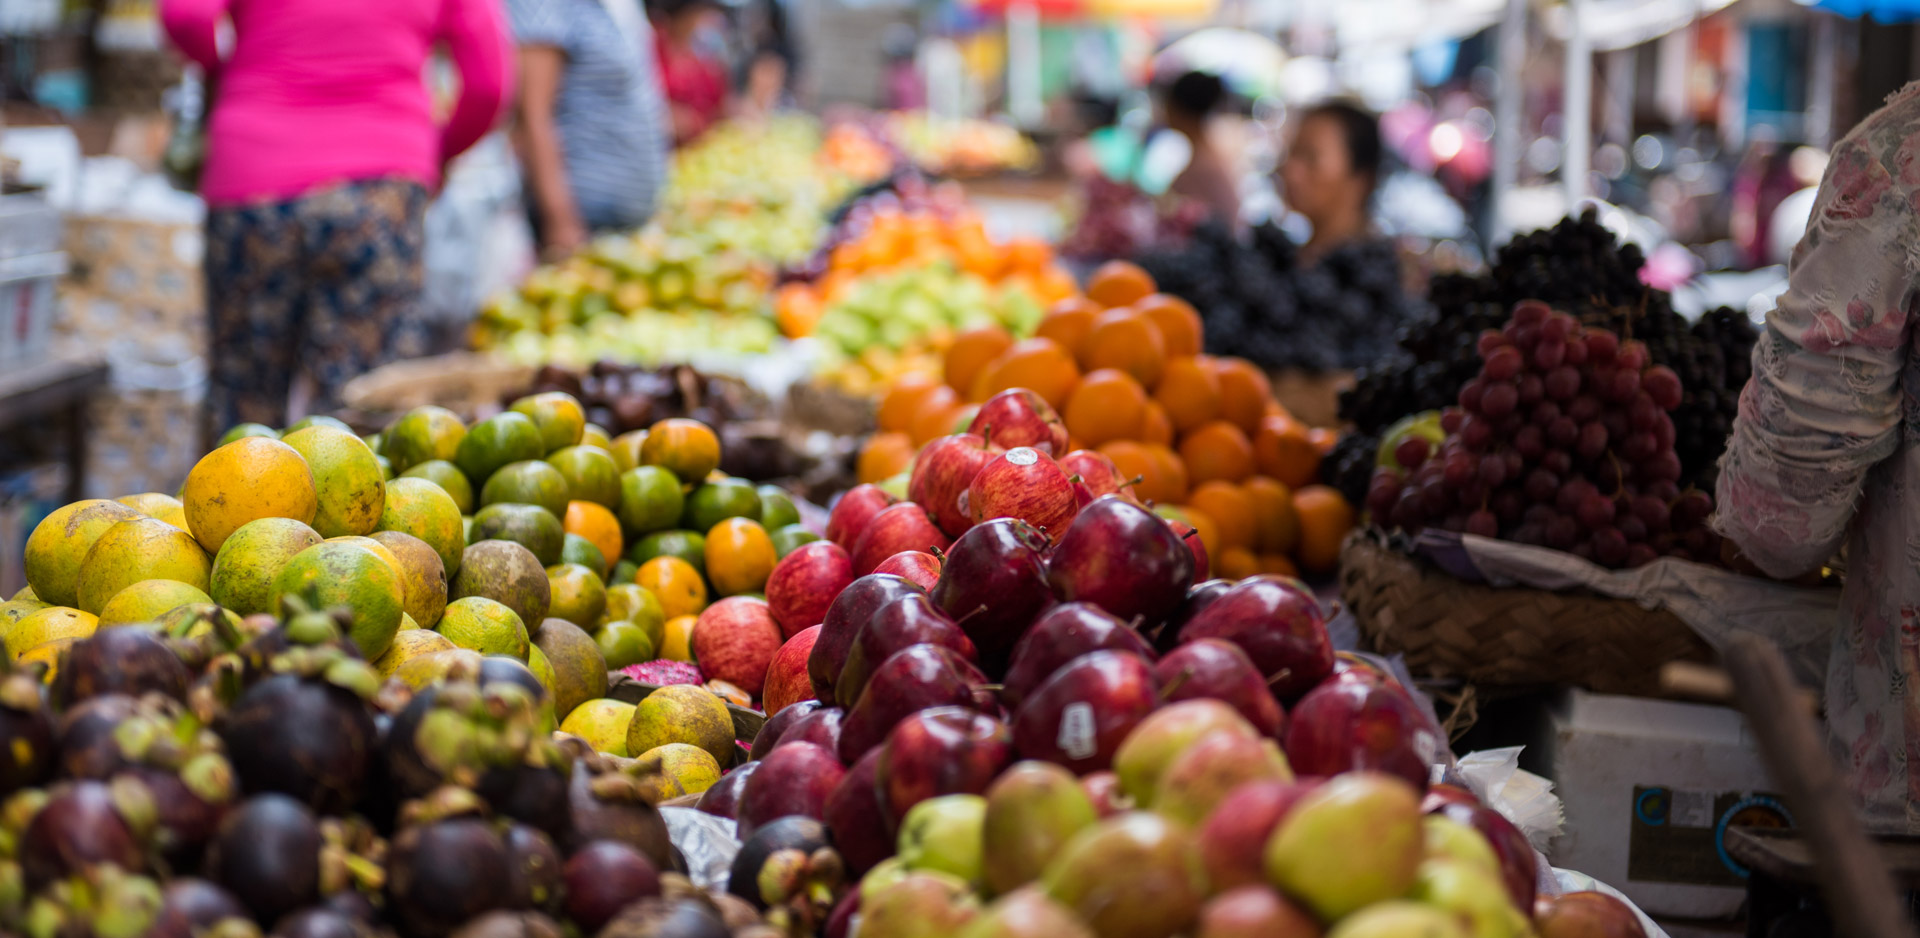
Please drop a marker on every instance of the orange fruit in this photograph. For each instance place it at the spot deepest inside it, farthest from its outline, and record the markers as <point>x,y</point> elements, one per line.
<point>1178,321</point>
<point>1128,341</point>
<point>1068,321</point>
<point>687,448</point>
<point>885,455</point>
<point>1276,565</point>
<point>1244,392</point>
<point>1107,405</point>
<point>1053,284</point>
<point>1039,365</point>
<point>901,401</point>
<point>676,583</point>
<point>1323,439</point>
<point>598,525</point>
<point>1283,449</point>
<point>1217,450</point>
<point>970,354</point>
<point>1189,393</point>
<point>1275,528</point>
<point>1140,471</point>
<point>740,556</point>
<point>1231,509</point>
<point>1156,428</point>
<point>1118,283</point>
<point>1234,563</point>
<point>934,417</point>
<point>1325,519</point>
<point>1027,254</point>
<point>796,310</point>
<point>1204,527</point>
<point>1174,473</point>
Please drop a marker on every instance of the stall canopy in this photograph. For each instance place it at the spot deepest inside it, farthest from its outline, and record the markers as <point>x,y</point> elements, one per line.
<point>1886,11</point>
<point>1622,24</point>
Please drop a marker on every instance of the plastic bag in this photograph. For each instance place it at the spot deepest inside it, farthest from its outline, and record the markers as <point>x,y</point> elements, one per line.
<point>1526,799</point>
<point>707,841</point>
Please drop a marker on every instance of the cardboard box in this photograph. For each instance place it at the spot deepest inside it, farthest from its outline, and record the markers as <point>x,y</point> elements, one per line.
<point>1650,787</point>
<point>134,278</point>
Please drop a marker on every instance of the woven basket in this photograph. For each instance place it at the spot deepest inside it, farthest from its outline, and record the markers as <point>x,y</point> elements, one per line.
<point>1485,635</point>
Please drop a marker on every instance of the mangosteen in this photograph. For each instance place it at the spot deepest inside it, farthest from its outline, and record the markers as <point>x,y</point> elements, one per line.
<point>268,855</point>
<point>723,799</point>
<point>353,904</point>
<point>791,833</point>
<point>191,907</point>
<point>87,745</point>
<point>606,804</point>
<point>605,876</point>
<point>504,924</point>
<point>319,922</point>
<point>26,732</point>
<point>80,826</point>
<point>308,737</point>
<point>503,668</point>
<point>128,660</point>
<point>442,873</point>
<point>539,876</point>
<point>686,917</point>
<point>103,902</point>
<point>188,805</point>
<point>489,737</point>
<point>530,794</point>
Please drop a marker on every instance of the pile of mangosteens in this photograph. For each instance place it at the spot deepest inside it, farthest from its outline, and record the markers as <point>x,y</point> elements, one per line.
<point>236,778</point>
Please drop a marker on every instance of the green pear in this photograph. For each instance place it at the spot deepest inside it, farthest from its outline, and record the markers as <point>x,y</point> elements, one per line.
<point>1202,775</point>
<point>1448,839</point>
<point>1033,809</point>
<point>1474,894</point>
<point>944,835</point>
<point>1399,919</point>
<point>1132,875</point>
<point>1026,913</point>
<point>921,905</point>
<point>1348,844</point>
<point>1163,735</point>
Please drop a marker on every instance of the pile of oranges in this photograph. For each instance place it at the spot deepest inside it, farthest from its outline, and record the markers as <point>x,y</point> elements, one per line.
<point>1202,435</point>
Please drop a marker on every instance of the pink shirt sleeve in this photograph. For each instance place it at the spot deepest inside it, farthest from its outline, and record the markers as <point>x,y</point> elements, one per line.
<point>193,26</point>
<point>476,39</point>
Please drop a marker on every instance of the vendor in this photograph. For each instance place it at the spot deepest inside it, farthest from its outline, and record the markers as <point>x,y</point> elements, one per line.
<point>1331,169</point>
<point>1820,456</point>
<point>591,127</point>
<point>1187,104</point>
<point>316,182</point>
<point>691,47</point>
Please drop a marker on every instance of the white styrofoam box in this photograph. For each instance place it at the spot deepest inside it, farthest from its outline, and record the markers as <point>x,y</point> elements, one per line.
<point>27,304</point>
<point>1650,787</point>
<point>29,224</point>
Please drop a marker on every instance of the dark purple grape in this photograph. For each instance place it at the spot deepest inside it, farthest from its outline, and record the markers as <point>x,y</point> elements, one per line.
<point>1562,383</point>
<point>1690,509</point>
<point>1663,433</point>
<point>1631,357</point>
<point>1408,512</point>
<point>1595,511</point>
<point>1609,546</point>
<point>1412,451</point>
<point>1632,528</point>
<point>1606,474</point>
<point>1515,465</point>
<point>1503,364</point>
<point>1638,446</point>
<point>1529,534</point>
<point>1582,550</point>
<point>1663,465</point>
<point>1571,496</point>
<point>1549,355</point>
<point>1643,413</point>
<point>1576,354</point>
<point>1602,346</point>
<point>1475,433</point>
<point>1585,407</point>
<point>1499,399</point>
<point>1639,555</point>
<point>1382,494</point>
<point>1541,486</point>
<point>1483,523</point>
<point>1699,541</point>
<point>1622,386</point>
<point>1616,423</point>
<point>1556,461</point>
<point>1508,425</point>
<point>1545,412</point>
<point>1490,340</point>
<point>1538,515</point>
<point>1459,469</point>
<point>1663,385</point>
<point>1493,470</point>
<point>1530,442</point>
<point>1525,335</point>
<point>1528,312</point>
<point>1592,442</point>
<point>1664,490</point>
<point>1508,505</point>
<point>1450,420</point>
<point>1561,532</point>
<point>1563,432</point>
<point>1532,389</point>
<point>1653,513</point>
<point>1470,395</point>
<point>1556,328</point>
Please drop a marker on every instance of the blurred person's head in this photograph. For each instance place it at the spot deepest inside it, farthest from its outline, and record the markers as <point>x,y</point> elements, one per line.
<point>1332,164</point>
<point>681,19</point>
<point>1191,98</point>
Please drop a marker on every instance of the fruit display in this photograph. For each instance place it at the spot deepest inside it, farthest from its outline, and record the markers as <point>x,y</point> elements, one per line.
<point>944,146</point>
<point>1563,440</point>
<point>883,325</point>
<point>1577,267</point>
<point>1113,387</point>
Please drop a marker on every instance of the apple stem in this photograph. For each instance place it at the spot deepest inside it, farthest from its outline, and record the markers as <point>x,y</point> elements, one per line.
<point>1167,691</point>
<point>938,553</point>
<point>1191,531</point>
<point>977,610</point>
<point>986,436</point>
<point>1137,622</point>
<point>1075,478</point>
<point>1279,676</point>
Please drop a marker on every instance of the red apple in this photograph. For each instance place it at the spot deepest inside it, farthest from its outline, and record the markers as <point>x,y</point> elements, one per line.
<point>1518,869</point>
<point>777,726</point>
<point>993,585</point>
<point>787,680</point>
<point>1023,483</point>
<point>913,679</point>
<point>1103,789</point>
<point>1232,843</point>
<point>723,798</point>
<point>1280,627</point>
<point>1199,596</point>
<point>1198,548</point>
<point>1095,470</point>
<point>1254,910</point>
<point>1587,915</point>
<point>854,511</point>
<point>1019,417</point>
<point>863,830</point>
<point>804,583</point>
<point>1080,715</point>
<point>910,620</point>
<point>915,566</point>
<point>1060,635</point>
<point>1218,669</point>
<point>850,610</point>
<point>941,474</point>
<point>1124,559</point>
<point>904,526</point>
<point>795,778</point>
<point>1442,794</point>
<point>1351,727</point>
<point>735,640</point>
<point>821,728</point>
<point>944,751</point>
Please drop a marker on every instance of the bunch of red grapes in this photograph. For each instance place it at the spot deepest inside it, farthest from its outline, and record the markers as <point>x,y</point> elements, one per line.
<point>1562,441</point>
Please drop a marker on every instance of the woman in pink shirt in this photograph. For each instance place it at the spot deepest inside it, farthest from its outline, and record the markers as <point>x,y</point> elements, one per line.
<point>321,151</point>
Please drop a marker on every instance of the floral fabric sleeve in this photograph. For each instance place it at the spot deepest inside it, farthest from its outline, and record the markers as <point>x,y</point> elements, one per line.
<point>1824,404</point>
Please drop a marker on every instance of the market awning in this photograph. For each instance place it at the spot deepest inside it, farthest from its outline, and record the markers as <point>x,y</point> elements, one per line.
<point>1623,24</point>
<point>1885,11</point>
<point>1410,23</point>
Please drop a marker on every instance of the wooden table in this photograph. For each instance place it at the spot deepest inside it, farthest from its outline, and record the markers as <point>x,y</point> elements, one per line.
<point>55,390</point>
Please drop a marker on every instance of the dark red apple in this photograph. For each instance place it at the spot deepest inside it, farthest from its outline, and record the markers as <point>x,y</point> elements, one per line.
<point>944,751</point>
<point>795,778</point>
<point>1587,915</point>
<point>1124,559</point>
<point>1019,417</point>
<point>1023,483</point>
<point>915,566</point>
<point>1216,668</point>
<point>1103,789</point>
<point>1280,627</point>
<point>1349,727</point>
<point>1060,635</point>
<point>910,620</point>
<point>723,798</point>
<point>1095,471</point>
<point>1199,597</point>
<point>850,610</point>
<point>735,640</point>
<point>804,583</point>
<point>1517,860</point>
<point>1082,496</point>
<point>904,526</point>
<point>1080,715</point>
<point>787,679</point>
<point>941,474</point>
<point>821,728</point>
<point>913,679</point>
<point>1254,910</point>
<point>993,585</point>
<point>854,511</point>
<point>863,830</point>
<point>1191,537</point>
<point>1232,843</point>
<point>777,726</point>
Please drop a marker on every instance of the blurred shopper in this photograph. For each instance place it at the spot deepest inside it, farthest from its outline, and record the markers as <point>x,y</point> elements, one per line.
<point>1332,167</point>
<point>591,128</point>
<point>321,152</point>
<point>1188,103</point>
<point>692,47</point>
<point>906,88</point>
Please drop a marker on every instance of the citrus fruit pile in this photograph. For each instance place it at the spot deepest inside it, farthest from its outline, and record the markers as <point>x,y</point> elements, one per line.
<point>1199,436</point>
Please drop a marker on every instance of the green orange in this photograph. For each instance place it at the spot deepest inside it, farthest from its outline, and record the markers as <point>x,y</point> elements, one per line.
<point>344,573</point>
<point>529,482</point>
<point>559,416</point>
<point>60,542</point>
<point>650,500</point>
<point>690,546</point>
<point>497,441</point>
<point>422,434</point>
<point>347,477</point>
<point>449,477</point>
<point>590,473</point>
<point>425,510</point>
<point>579,596</point>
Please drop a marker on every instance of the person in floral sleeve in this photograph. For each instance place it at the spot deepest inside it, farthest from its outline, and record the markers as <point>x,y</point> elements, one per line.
<point>1825,453</point>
